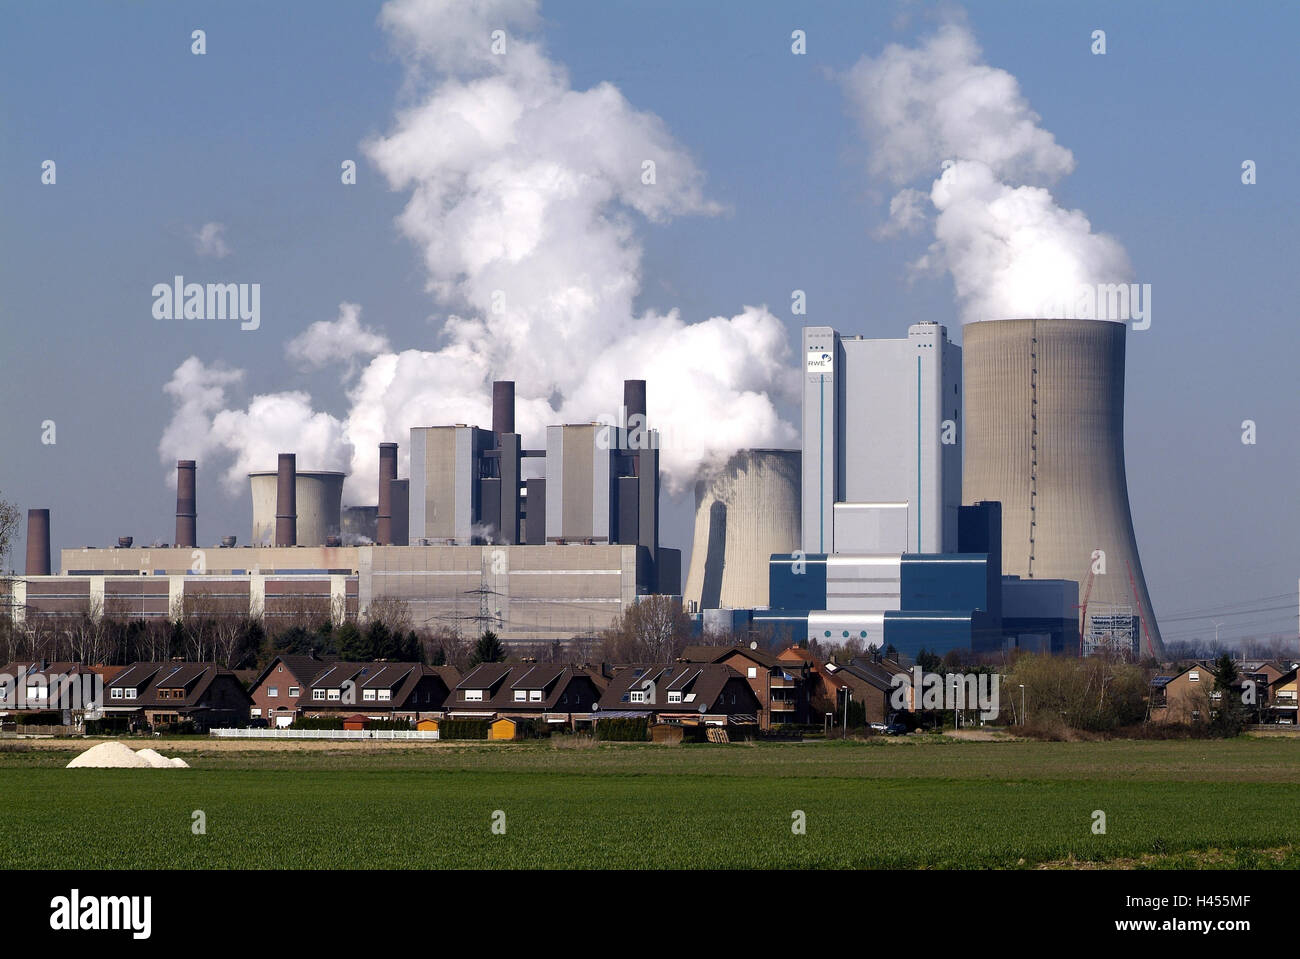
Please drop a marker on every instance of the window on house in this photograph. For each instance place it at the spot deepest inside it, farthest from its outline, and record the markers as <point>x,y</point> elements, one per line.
<point>256,711</point>
<point>273,691</point>
<point>294,690</point>
<point>385,695</point>
<point>130,692</point>
<point>332,695</point>
<point>473,695</point>
<point>520,695</point>
<point>1194,676</point>
<point>318,694</point>
<point>368,695</point>
<point>534,695</point>
<point>638,696</point>
<point>280,668</point>
<point>675,697</point>
<point>753,672</point>
<point>115,694</point>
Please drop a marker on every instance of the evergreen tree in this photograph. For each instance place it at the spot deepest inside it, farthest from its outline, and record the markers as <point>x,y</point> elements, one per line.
<point>488,649</point>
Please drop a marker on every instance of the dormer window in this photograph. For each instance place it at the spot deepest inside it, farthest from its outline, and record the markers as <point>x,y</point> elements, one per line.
<point>130,692</point>
<point>637,696</point>
<point>473,695</point>
<point>368,695</point>
<point>534,695</point>
<point>675,697</point>
<point>385,695</point>
<point>520,695</point>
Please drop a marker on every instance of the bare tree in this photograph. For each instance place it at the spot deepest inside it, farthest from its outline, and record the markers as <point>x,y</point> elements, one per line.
<point>653,630</point>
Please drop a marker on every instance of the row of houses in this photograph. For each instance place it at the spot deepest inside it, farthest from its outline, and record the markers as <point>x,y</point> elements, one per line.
<point>708,685</point>
<point>1265,688</point>
<point>570,696</point>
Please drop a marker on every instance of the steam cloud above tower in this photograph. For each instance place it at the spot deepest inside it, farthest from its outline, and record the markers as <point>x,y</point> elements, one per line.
<point>936,113</point>
<point>524,201</point>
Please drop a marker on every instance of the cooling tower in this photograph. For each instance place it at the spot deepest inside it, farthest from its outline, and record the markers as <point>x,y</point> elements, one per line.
<point>1045,437</point>
<point>318,500</point>
<point>743,514</point>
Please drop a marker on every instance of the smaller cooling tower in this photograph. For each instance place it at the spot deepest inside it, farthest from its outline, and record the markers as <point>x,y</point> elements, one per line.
<point>318,498</point>
<point>744,513</point>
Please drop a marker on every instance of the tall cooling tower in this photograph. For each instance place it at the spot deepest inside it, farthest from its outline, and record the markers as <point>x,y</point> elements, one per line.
<point>318,499</point>
<point>1045,437</point>
<point>743,514</point>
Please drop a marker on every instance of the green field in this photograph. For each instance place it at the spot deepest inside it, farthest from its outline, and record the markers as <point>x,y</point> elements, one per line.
<point>877,804</point>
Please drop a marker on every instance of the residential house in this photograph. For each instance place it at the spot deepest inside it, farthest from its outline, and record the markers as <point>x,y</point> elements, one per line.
<point>378,690</point>
<point>866,683</point>
<point>780,685</point>
<point>155,694</point>
<point>689,693</point>
<point>279,690</point>
<point>1282,699</point>
<point>59,692</point>
<point>552,693</point>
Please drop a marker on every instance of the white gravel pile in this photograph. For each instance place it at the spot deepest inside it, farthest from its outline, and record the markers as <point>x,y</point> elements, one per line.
<point>117,756</point>
<point>154,758</point>
<point>109,756</point>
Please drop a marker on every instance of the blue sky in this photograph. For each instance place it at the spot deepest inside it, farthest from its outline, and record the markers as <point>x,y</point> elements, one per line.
<point>152,142</point>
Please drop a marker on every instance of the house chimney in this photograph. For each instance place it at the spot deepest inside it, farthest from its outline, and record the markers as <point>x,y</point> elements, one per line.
<point>38,542</point>
<point>387,473</point>
<point>286,501</point>
<point>186,500</point>
<point>503,407</point>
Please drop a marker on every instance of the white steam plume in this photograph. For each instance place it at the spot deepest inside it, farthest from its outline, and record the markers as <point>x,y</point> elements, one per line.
<point>524,196</point>
<point>938,111</point>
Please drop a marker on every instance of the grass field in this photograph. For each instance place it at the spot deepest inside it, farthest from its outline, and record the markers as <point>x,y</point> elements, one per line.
<point>1224,804</point>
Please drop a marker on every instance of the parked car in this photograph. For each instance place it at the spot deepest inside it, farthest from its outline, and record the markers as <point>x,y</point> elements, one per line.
<point>896,729</point>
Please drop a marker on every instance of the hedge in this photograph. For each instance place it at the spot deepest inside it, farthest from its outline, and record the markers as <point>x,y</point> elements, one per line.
<point>623,729</point>
<point>463,729</point>
<point>317,722</point>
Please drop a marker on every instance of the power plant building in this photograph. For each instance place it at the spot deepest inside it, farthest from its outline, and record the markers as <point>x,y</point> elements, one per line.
<point>881,441</point>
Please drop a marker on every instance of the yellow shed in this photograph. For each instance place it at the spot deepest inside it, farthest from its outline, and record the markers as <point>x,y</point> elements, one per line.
<point>427,725</point>
<point>503,728</point>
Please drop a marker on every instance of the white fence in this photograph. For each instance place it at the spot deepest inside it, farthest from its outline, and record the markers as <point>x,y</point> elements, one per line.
<point>325,733</point>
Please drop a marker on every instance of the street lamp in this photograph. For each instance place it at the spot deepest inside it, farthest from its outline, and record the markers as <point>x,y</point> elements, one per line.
<point>1022,704</point>
<point>956,718</point>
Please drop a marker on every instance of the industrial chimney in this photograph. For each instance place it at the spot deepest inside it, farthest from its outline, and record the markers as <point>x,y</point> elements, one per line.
<point>387,473</point>
<point>503,407</point>
<point>1045,437</point>
<point>186,503</point>
<point>38,542</point>
<point>634,405</point>
<point>286,501</point>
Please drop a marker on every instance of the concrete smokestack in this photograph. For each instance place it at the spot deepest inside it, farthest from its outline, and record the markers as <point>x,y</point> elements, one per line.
<point>38,542</point>
<point>286,501</point>
<point>1045,438</point>
<point>634,400</point>
<point>186,504</point>
<point>634,406</point>
<point>503,407</point>
<point>387,473</point>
